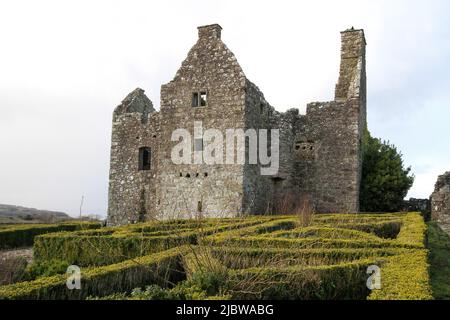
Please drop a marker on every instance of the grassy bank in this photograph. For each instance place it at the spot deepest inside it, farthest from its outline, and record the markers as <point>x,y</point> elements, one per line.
<point>439,259</point>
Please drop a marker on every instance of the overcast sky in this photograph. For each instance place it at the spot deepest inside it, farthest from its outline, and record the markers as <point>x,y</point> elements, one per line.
<point>65,65</point>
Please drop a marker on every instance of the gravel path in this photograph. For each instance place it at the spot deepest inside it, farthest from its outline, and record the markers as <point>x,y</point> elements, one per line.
<point>27,253</point>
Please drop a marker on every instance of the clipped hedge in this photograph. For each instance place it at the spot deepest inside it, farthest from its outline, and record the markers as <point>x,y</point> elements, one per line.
<point>160,268</point>
<point>264,257</point>
<point>244,258</point>
<point>324,232</point>
<point>341,281</point>
<point>413,230</point>
<point>261,241</point>
<point>263,228</point>
<point>331,231</point>
<point>394,242</point>
<point>404,277</point>
<point>382,225</point>
<point>102,250</point>
<point>15,236</point>
<point>112,245</point>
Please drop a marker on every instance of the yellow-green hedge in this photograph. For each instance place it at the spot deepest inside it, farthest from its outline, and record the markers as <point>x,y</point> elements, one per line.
<point>404,277</point>
<point>323,232</point>
<point>159,268</point>
<point>102,250</point>
<point>268,257</point>
<point>245,257</point>
<point>112,245</point>
<point>413,230</point>
<point>15,236</point>
<point>340,281</point>
<point>402,259</point>
<point>260,241</point>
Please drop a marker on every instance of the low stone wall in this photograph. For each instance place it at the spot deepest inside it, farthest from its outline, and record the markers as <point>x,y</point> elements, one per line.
<point>418,205</point>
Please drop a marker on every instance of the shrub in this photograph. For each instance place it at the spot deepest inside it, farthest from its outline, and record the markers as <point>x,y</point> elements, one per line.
<point>254,258</point>
<point>201,286</point>
<point>209,282</point>
<point>152,292</point>
<point>45,269</point>
<point>345,281</point>
<point>112,245</point>
<point>101,250</point>
<point>244,258</point>
<point>15,236</point>
<point>324,232</point>
<point>404,277</point>
<point>261,242</point>
<point>309,253</point>
<point>161,268</point>
<point>413,230</point>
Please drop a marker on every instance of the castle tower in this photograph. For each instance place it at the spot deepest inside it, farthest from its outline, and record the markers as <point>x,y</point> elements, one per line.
<point>328,153</point>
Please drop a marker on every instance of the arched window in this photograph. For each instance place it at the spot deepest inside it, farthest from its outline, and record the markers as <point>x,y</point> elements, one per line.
<point>145,158</point>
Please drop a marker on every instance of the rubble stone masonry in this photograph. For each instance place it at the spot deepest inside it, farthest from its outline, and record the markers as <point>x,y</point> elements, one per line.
<point>440,200</point>
<point>320,151</point>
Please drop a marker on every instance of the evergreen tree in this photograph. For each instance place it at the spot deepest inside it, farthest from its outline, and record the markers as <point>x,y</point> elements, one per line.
<point>385,181</point>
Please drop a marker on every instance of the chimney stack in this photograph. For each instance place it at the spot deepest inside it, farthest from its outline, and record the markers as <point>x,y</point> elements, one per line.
<point>352,74</point>
<point>212,31</point>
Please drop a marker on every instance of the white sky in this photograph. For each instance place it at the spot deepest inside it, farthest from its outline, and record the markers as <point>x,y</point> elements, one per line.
<point>65,65</point>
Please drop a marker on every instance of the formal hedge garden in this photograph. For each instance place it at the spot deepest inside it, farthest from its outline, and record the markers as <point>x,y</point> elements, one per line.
<point>258,257</point>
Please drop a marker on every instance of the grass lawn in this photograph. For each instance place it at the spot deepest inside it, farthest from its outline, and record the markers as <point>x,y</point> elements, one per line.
<point>439,259</point>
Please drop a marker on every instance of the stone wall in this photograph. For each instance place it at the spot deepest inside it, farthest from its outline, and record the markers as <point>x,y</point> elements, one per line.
<point>440,200</point>
<point>131,191</point>
<point>418,205</point>
<point>328,159</point>
<point>323,147</point>
<point>320,152</point>
<point>211,67</point>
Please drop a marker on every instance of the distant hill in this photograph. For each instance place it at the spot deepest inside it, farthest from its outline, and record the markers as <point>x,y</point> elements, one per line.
<point>17,214</point>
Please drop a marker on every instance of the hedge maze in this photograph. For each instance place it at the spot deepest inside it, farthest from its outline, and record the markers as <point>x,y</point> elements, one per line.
<point>264,257</point>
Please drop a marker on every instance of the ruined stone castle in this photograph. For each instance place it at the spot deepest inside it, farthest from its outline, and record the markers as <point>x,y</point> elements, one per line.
<point>319,153</point>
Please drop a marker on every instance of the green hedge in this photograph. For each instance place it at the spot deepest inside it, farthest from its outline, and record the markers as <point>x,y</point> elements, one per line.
<point>413,230</point>
<point>259,242</point>
<point>112,245</point>
<point>102,250</point>
<point>263,228</point>
<point>348,231</point>
<point>402,259</point>
<point>160,268</point>
<point>342,281</point>
<point>243,257</point>
<point>15,236</point>
<point>324,232</point>
<point>404,277</point>
<point>264,257</point>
